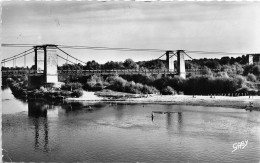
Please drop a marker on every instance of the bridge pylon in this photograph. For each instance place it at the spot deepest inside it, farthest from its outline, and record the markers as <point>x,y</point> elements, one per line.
<point>180,62</point>
<point>46,66</point>
<point>169,61</point>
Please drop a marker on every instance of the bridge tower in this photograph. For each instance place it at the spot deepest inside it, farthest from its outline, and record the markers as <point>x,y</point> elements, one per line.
<point>181,63</point>
<point>169,61</point>
<point>46,66</point>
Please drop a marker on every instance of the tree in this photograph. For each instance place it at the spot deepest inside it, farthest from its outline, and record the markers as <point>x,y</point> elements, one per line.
<point>129,64</point>
<point>113,65</point>
<point>238,68</point>
<point>212,64</point>
<point>256,70</point>
<point>253,69</point>
<point>92,65</point>
<point>206,71</point>
<point>168,91</point>
<point>224,60</point>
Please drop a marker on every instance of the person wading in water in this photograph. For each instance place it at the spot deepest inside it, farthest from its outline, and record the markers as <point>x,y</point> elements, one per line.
<point>152,116</point>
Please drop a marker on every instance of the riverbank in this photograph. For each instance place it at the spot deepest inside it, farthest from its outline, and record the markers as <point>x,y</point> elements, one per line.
<point>218,101</point>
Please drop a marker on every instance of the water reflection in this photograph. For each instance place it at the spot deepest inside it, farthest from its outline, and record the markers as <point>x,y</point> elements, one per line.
<point>71,132</point>
<point>169,122</point>
<point>180,121</point>
<point>37,109</point>
<point>77,108</point>
<point>37,112</point>
<point>73,108</point>
<point>119,111</point>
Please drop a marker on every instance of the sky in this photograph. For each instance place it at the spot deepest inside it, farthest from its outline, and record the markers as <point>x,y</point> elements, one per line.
<point>195,26</point>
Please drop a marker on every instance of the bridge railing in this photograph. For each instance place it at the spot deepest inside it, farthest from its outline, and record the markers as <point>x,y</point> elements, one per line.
<point>116,71</point>
<point>113,71</point>
<point>22,72</point>
<point>90,71</point>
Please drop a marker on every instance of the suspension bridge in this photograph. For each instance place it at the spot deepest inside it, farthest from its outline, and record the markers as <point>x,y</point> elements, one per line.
<point>46,59</point>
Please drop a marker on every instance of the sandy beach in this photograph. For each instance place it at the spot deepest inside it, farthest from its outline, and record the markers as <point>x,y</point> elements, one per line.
<point>219,101</point>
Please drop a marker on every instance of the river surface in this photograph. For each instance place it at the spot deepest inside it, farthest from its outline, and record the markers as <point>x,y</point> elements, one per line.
<point>36,131</point>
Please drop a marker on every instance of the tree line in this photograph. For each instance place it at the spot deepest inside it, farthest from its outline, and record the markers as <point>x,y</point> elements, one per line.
<point>219,76</point>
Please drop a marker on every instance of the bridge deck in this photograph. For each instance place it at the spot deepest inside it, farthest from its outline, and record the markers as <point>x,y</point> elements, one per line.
<point>88,72</point>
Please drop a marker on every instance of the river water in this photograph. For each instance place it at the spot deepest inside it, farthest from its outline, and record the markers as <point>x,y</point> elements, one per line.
<point>70,132</point>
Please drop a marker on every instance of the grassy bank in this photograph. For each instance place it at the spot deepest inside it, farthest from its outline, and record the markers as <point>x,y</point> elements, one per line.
<point>196,85</point>
<point>138,86</point>
<point>19,88</point>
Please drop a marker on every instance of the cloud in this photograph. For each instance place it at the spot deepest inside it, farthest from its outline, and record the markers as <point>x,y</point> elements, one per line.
<point>214,26</point>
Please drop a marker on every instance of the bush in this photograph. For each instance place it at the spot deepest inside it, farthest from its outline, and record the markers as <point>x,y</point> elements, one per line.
<point>177,83</point>
<point>244,89</point>
<point>10,80</point>
<point>130,87</point>
<point>143,79</point>
<point>119,84</point>
<point>129,64</point>
<point>204,85</point>
<point>43,89</point>
<point>161,83</point>
<point>77,93</point>
<point>197,85</point>
<point>71,86</point>
<point>116,83</point>
<point>206,71</point>
<point>256,70</point>
<point>240,81</point>
<point>95,79</point>
<point>98,86</point>
<point>181,93</point>
<point>222,74</point>
<point>168,91</point>
<point>66,93</point>
<point>95,83</point>
<point>149,90</point>
<point>251,77</point>
<point>89,86</point>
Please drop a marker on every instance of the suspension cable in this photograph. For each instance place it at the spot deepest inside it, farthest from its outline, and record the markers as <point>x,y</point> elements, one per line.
<point>18,45</point>
<point>205,52</point>
<point>16,57</point>
<point>24,61</point>
<point>65,59</point>
<point>174,54</point>
<point>188,55</point>
<point>108,48</point>
<point>161,56</point>
<point>17,54</point>
<point>71,56</point>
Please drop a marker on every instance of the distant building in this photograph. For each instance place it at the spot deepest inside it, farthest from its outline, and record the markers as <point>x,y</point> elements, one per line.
<point>253,58</point>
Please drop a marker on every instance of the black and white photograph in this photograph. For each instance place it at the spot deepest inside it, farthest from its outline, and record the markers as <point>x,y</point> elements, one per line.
<point>130,81</point>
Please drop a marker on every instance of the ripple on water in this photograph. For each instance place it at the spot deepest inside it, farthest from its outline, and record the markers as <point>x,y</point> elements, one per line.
<point>127,134</point>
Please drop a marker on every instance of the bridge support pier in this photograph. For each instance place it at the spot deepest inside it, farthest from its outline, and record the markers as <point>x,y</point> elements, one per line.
<point>35,82</point>
<point>169,61</point>
<point>250,59</point>
<point>181,63</point>
<point>46,66</point>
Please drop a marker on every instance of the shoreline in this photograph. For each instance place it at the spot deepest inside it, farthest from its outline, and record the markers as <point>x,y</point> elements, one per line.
<point>239,102</point>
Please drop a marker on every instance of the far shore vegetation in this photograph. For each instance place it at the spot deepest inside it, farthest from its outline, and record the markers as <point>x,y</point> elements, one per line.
<point>218,77</point>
